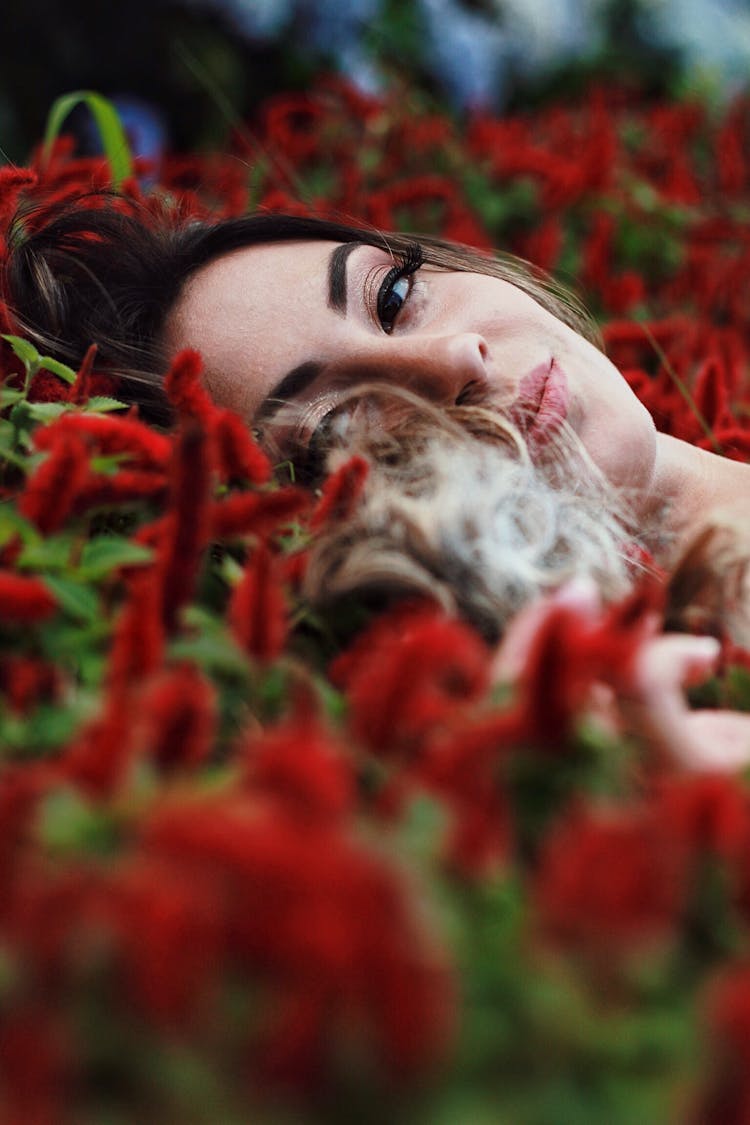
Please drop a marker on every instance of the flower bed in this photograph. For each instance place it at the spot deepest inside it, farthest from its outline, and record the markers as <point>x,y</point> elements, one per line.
<point>245,877</point>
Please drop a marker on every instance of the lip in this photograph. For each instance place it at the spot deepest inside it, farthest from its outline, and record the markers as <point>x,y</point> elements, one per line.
<point>541,407</point>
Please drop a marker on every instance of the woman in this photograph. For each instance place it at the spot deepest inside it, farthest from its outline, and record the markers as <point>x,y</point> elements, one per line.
<point>483,401</point>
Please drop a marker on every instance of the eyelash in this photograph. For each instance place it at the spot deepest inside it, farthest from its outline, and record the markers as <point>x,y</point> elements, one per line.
<point>406,266</point>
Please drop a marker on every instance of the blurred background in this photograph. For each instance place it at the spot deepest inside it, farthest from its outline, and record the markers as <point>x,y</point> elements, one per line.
<point>183,72</point>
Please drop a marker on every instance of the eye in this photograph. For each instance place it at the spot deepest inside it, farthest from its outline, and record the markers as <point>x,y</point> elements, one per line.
<point>396,287</point>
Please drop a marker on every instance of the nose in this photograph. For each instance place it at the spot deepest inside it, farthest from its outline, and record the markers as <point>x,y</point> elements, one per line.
<point>445,369</point>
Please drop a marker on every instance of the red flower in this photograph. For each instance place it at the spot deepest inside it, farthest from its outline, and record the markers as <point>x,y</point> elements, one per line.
<point>35,1067</point>
<point>257,610</point>
<point>725,1097</point>
<point>178,719</point>
<point>81,389</point>
<point>183,387</point>
<point>138,643</point>
<point>100,755</point>
<point>256,513</point>
<point>187,528</point>
<point>301,767</point>
<point>238,456</point>
<point>609,880</point>
<point>341,492</point>
<point>706,813</point>
<point>54,487</point>
<point>323,926</point>
<point>26,680</point>
<point>24,600</point>
<point>414,679</point>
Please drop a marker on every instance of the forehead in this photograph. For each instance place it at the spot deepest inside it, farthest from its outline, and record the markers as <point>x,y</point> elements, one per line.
<point>253,314</point>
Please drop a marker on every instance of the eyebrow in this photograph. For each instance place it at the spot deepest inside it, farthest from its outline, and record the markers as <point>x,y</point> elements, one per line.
<point>303,376</point>
<point>293,383</point>
<point>337,275</point>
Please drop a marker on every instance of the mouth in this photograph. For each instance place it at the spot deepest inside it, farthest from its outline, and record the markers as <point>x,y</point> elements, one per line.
<point>542,404</point>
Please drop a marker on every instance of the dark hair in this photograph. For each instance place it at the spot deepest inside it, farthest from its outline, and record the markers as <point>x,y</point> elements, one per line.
<point>107,272</point>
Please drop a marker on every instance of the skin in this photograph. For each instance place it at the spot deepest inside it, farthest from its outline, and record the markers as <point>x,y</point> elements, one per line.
<point>260,312</point>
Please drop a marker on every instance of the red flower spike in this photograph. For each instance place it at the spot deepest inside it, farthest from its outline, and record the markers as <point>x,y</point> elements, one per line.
<point>257,609</point>
<point>300,767</point>
<point>187,529</point>
<point>144,447</point>
<point>329,927</point>
<point>172,955</point>
<point>257,513</point>
<point>27,681</point>
<point>341,493</point>
<point>609,881</point>
<point>416,683</point>
<point>137,647</point>
<point>238,456</point>
<point>178,720</point>
<point>80,392</point>
<point>52,490</point>
<point>99,757</point>
<point>706,813</point>
<point>725,1094</point>
<point>183,387</point>
<point>36,1070</point>
<point>24,600</point>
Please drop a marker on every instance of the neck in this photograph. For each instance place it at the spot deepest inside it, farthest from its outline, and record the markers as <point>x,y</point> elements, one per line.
<point>690,485</point>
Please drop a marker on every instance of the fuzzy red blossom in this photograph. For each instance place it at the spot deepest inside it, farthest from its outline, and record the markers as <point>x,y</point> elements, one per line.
<point>13,183</point>
<point>341,493</point>
<point>325,925</point>
<point>35,1067</point>
<point>184,389</point>
<point>137,647</point>
<point>256,513</point>
<point>466,769</point>
<point>80,392</point>
<point>725,1096</point>
<point>414,680</point>
<point>570,650</point>
<point>610,880</point>
<point>167,921</point>
<point>257,610</point>
<point>187,529</point>
<point>100,755</point>
<point>178,718</point>
<point>21,789</point>
<point>142,446</point>
<point>301,766</point>
<point>709,813</point>
<point>26,681</point>
<point>24,600</point>
<point>125,486</point>
<point>238,455</point>
<point>52,490</point>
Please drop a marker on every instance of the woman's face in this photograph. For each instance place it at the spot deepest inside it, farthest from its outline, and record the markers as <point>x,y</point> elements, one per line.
<point>304,321</point>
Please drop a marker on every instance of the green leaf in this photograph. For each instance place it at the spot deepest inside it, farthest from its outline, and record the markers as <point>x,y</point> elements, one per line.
<point>46,411</point>
<point>114,140</point>
<point>68,823</point>
<point>12,524</point>
<point>79,601</point>
<point>57,368</point>
<point>101,404</point>
<point>23,349</point>
<point>52,553</point>
<point>107,552</point>
<point>9,396</point>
